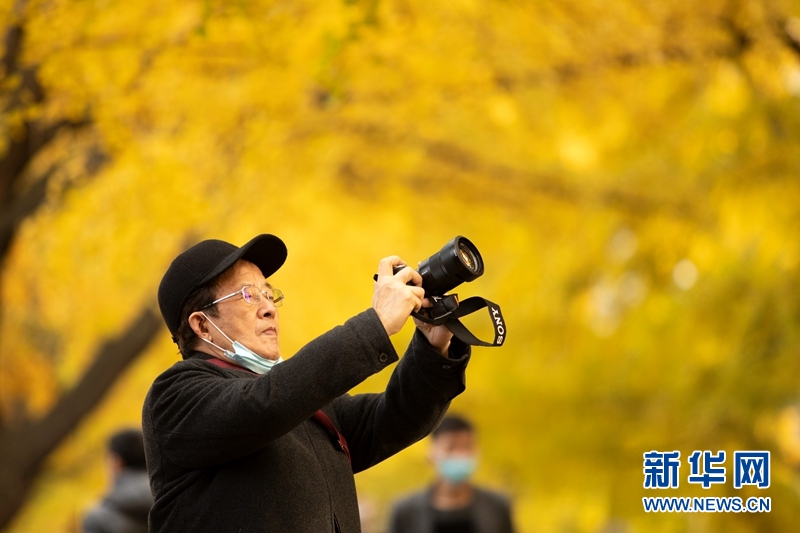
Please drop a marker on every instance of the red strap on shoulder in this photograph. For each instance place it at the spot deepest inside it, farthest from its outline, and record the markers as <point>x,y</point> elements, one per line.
<point>320,417</point>
<point>323,419</point>
<point>225,364</point>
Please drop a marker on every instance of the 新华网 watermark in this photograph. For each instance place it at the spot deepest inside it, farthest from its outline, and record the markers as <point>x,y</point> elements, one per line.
<point>708,504</point>
<point>662,471</point>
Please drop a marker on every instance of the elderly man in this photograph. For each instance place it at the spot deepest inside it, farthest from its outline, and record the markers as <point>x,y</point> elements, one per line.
<point>239,440</point>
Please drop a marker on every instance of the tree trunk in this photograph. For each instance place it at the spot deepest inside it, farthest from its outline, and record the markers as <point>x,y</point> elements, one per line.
<point>24,446</point>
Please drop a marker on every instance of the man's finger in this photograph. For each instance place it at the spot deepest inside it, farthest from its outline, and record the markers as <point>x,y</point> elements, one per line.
<point>387,264</point>
<point>417,302</point>
<point>419,293</point>
<point>407,275</point>
<point>415,278</point>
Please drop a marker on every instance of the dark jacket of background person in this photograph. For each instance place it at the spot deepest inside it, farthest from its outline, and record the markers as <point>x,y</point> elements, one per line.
<point>124,509</point>
<point>231,451</point>
<point>491,513</point>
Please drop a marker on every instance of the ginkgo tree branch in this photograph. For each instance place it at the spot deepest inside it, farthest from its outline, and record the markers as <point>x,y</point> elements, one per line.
<point>25,444</point>
<point>26,142</point>
<point>510,186</point>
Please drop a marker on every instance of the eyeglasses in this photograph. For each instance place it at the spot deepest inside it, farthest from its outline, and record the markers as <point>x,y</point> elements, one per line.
<point>253,295</point>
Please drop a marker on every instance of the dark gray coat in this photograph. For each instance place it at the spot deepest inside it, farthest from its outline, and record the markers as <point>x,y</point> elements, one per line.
<point>231,451</point>
<point>414,514</point>
<point>125,507</point>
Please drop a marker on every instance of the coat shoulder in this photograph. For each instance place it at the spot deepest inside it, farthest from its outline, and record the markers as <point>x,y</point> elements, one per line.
<point>411,502</point>
<point>493,497</point>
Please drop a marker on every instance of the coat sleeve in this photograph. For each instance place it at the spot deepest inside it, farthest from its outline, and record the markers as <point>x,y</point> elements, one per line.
<point>202,417</point>
<point>417,396</point>
<point>91,522</point>
<point>493,512</point>
<point>396,523</point>
<point>507,521</point>
<point>411,514</point>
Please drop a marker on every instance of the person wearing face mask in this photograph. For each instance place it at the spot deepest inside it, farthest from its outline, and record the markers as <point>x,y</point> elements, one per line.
<point>239,439</point>
<point>453,504</point>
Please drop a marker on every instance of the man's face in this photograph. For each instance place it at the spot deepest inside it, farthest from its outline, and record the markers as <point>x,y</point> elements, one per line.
<point>453,455</point>
<point>255,326</point>
<point>453,444</point>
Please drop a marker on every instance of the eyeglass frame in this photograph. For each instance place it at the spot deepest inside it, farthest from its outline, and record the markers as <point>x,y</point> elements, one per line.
<point>240,292</point>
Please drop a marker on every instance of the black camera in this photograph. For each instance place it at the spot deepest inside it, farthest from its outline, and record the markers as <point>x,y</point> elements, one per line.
<point>458,261</point>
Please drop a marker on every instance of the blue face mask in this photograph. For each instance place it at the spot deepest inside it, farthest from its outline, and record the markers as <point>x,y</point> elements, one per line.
<point>457,469</point>
<point>242,355</point>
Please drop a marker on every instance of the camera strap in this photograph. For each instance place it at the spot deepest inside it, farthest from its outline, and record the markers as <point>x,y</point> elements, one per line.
<point>447,310</point>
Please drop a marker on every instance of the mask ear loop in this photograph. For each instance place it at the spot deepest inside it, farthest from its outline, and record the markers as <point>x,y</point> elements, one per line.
<point>223,334</point>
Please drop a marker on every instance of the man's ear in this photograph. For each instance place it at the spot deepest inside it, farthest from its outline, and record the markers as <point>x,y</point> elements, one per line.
<point>199,324</point>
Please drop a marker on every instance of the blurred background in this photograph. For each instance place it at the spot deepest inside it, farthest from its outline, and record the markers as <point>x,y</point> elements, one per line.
<point>629,171</point>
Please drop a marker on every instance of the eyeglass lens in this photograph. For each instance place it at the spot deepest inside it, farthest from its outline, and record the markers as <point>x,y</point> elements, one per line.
<point>252,295</point>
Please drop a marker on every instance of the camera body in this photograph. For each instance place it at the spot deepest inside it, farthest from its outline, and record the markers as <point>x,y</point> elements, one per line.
<point>457,262</point>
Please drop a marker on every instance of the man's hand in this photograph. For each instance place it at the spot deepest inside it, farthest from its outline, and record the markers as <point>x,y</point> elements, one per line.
<point>438,336</point>
<point>393,300</point>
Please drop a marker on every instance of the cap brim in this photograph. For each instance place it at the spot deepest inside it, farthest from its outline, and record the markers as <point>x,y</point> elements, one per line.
<point>265,251</point>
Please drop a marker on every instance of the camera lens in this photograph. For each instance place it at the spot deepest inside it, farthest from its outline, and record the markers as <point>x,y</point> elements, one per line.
<point>467,257</point>
<point>458,261</point>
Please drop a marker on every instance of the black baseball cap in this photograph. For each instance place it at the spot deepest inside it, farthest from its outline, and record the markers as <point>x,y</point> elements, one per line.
<point>205,261</point>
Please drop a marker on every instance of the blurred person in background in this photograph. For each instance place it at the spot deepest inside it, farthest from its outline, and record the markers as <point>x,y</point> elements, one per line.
<point>237,439</point>
<point>124,509</point>
<point>453,504</point>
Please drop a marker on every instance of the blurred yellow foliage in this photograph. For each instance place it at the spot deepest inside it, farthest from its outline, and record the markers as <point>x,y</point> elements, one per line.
<point>593,151</point>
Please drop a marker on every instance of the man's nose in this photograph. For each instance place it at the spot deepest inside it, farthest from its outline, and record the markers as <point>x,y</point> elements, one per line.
<point>267,307</point>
